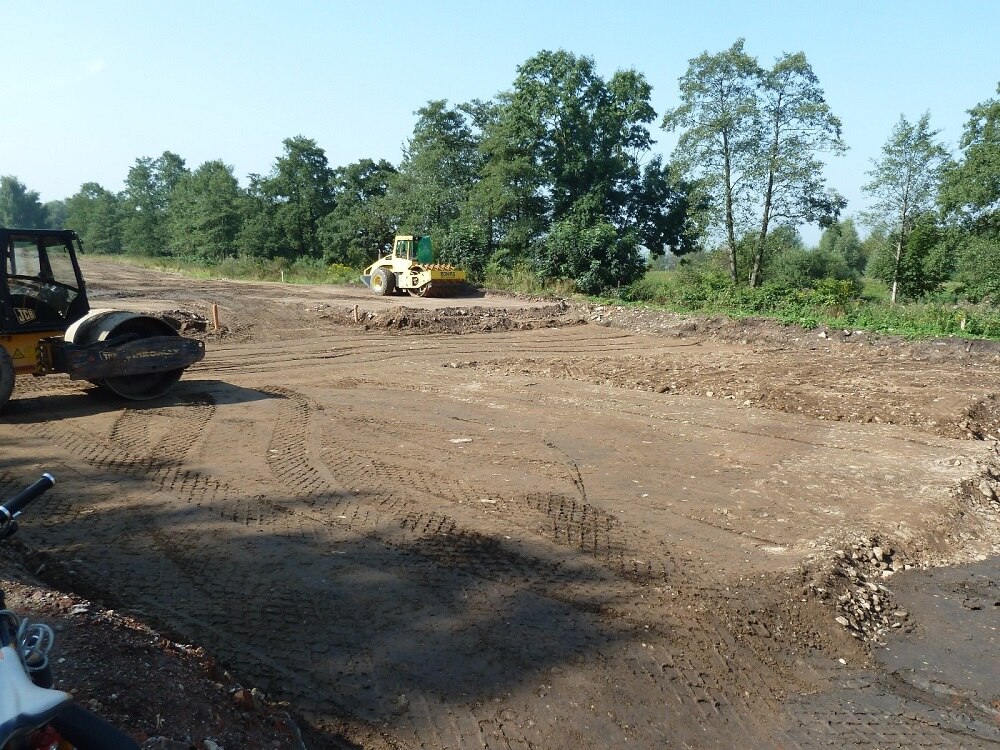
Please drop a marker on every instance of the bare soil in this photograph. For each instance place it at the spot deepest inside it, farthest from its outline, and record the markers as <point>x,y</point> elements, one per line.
<point>499,522</point>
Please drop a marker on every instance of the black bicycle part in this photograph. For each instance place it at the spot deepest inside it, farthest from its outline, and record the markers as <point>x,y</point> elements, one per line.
<point>13,507</point>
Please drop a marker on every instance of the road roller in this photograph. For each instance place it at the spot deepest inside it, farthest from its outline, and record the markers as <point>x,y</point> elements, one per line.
<point>47,326</point>
<point>410,268</point>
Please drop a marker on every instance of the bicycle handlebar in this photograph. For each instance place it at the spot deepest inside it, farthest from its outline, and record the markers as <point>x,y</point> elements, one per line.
<point>13,507</point>
<point>85,730</point>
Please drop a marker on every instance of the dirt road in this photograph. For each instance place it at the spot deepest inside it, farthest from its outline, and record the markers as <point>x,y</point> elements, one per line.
<point>504,523</point>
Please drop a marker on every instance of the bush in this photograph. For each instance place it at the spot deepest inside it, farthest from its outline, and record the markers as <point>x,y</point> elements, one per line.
<point>593,253</point>
<point>703,288</point>
<point>519,277</point>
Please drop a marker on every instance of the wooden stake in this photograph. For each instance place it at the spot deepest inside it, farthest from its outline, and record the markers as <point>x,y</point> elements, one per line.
<point>215,317</point>
<point>355,313</point>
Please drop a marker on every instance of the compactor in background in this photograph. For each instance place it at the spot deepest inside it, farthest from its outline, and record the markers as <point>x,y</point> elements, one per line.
<point>47,326</point>
<point>410,267</point>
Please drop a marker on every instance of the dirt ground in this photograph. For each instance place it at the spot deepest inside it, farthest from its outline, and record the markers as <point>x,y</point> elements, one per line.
<point>495,522</point>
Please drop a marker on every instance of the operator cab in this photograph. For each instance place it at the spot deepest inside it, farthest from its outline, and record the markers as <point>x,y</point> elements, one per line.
<point>414,247</point>
<point>404,247</point>
<point>41,287</point>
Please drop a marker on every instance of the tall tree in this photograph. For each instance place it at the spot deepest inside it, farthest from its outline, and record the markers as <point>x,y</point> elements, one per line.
<point>924,263</point>
<point>587,135</point>
<point>971,187</point>
<point>437,171</point>
<point>798,125</point>
<point>753,138</point>
<point>842,239</point>
<point>360,227</point>
<point>259,235</point>
<point>719,123</point>
<point>148,187</point>
<point>970,197</point>
<point>664,210</point>
<point>508,200</point>
<point>20,207</point>
<point>572,144</point>
<point>203,218</point>
<point>95,214</point>
<point>905,182</point>
<point>55,214</point>
<point>300,188</point>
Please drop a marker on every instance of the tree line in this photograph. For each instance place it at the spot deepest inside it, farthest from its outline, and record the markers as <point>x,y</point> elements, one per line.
<point>557,174</point>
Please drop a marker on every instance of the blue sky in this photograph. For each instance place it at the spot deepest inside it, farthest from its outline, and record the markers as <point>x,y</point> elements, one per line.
<point>91,86</point>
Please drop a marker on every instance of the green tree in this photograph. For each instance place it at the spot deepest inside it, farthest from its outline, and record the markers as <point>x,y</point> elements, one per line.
<point>971,187</point>
<point>719,123</point>
<point>665,211</point>
<point>95,214</point>
<point>437,172</point>
<point>507,202</point>
<point>586,133</point>
<point>55,214</point>
<point>841,239</point>
<point>148,188</point>
<point>801,268</point>
<point>979,267</point>
<point>20,207</point>
<point>570,145</point>
<point>752,138</point>
<point>792,265</point>
<point>259,235</point>
<point>970,198</point>
<point>798,125</point>
<point>596,255</point>
<point>299,193</point>
<point>904,184</point>
<point>203,217</point>
<point>923,263</point>
<point>360,227</point>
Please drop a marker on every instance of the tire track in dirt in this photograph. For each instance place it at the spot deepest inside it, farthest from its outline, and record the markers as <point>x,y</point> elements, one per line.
<point>435,537</point>
<point>580,527</point>
<point>686,678</point>
<point>404,484</point>
<point>236,614</point>
<point>379,349</point>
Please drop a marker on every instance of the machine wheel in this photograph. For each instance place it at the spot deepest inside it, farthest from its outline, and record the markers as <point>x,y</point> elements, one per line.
<point>6,377</point>
<point>383,282</point>
<point>141,387</point>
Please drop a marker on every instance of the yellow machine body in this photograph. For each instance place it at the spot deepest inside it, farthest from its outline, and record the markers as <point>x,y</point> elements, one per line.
<point>410,268</point>
<point>25,350</point>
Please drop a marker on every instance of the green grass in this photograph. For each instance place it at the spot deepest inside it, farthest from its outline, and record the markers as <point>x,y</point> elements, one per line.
<point>247,269</point>
<point>522,279</point>
<point>832,304</point>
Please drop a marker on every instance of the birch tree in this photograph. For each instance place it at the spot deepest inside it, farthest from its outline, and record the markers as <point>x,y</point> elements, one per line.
<point>753,139</point>
<point>904,183</point>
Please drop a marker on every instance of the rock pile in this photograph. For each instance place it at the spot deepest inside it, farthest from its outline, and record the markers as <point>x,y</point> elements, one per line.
<point>865,606</point>
<point>980,420</point>
<point>989,488</point>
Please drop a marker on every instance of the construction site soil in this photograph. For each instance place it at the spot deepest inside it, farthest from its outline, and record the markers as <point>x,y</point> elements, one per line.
<point>500,522</point>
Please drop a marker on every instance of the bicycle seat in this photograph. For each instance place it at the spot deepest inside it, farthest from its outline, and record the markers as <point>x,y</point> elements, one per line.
<point>23,705</point>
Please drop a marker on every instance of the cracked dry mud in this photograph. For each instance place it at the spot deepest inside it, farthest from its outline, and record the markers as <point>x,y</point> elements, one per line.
<point>498,522</point>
